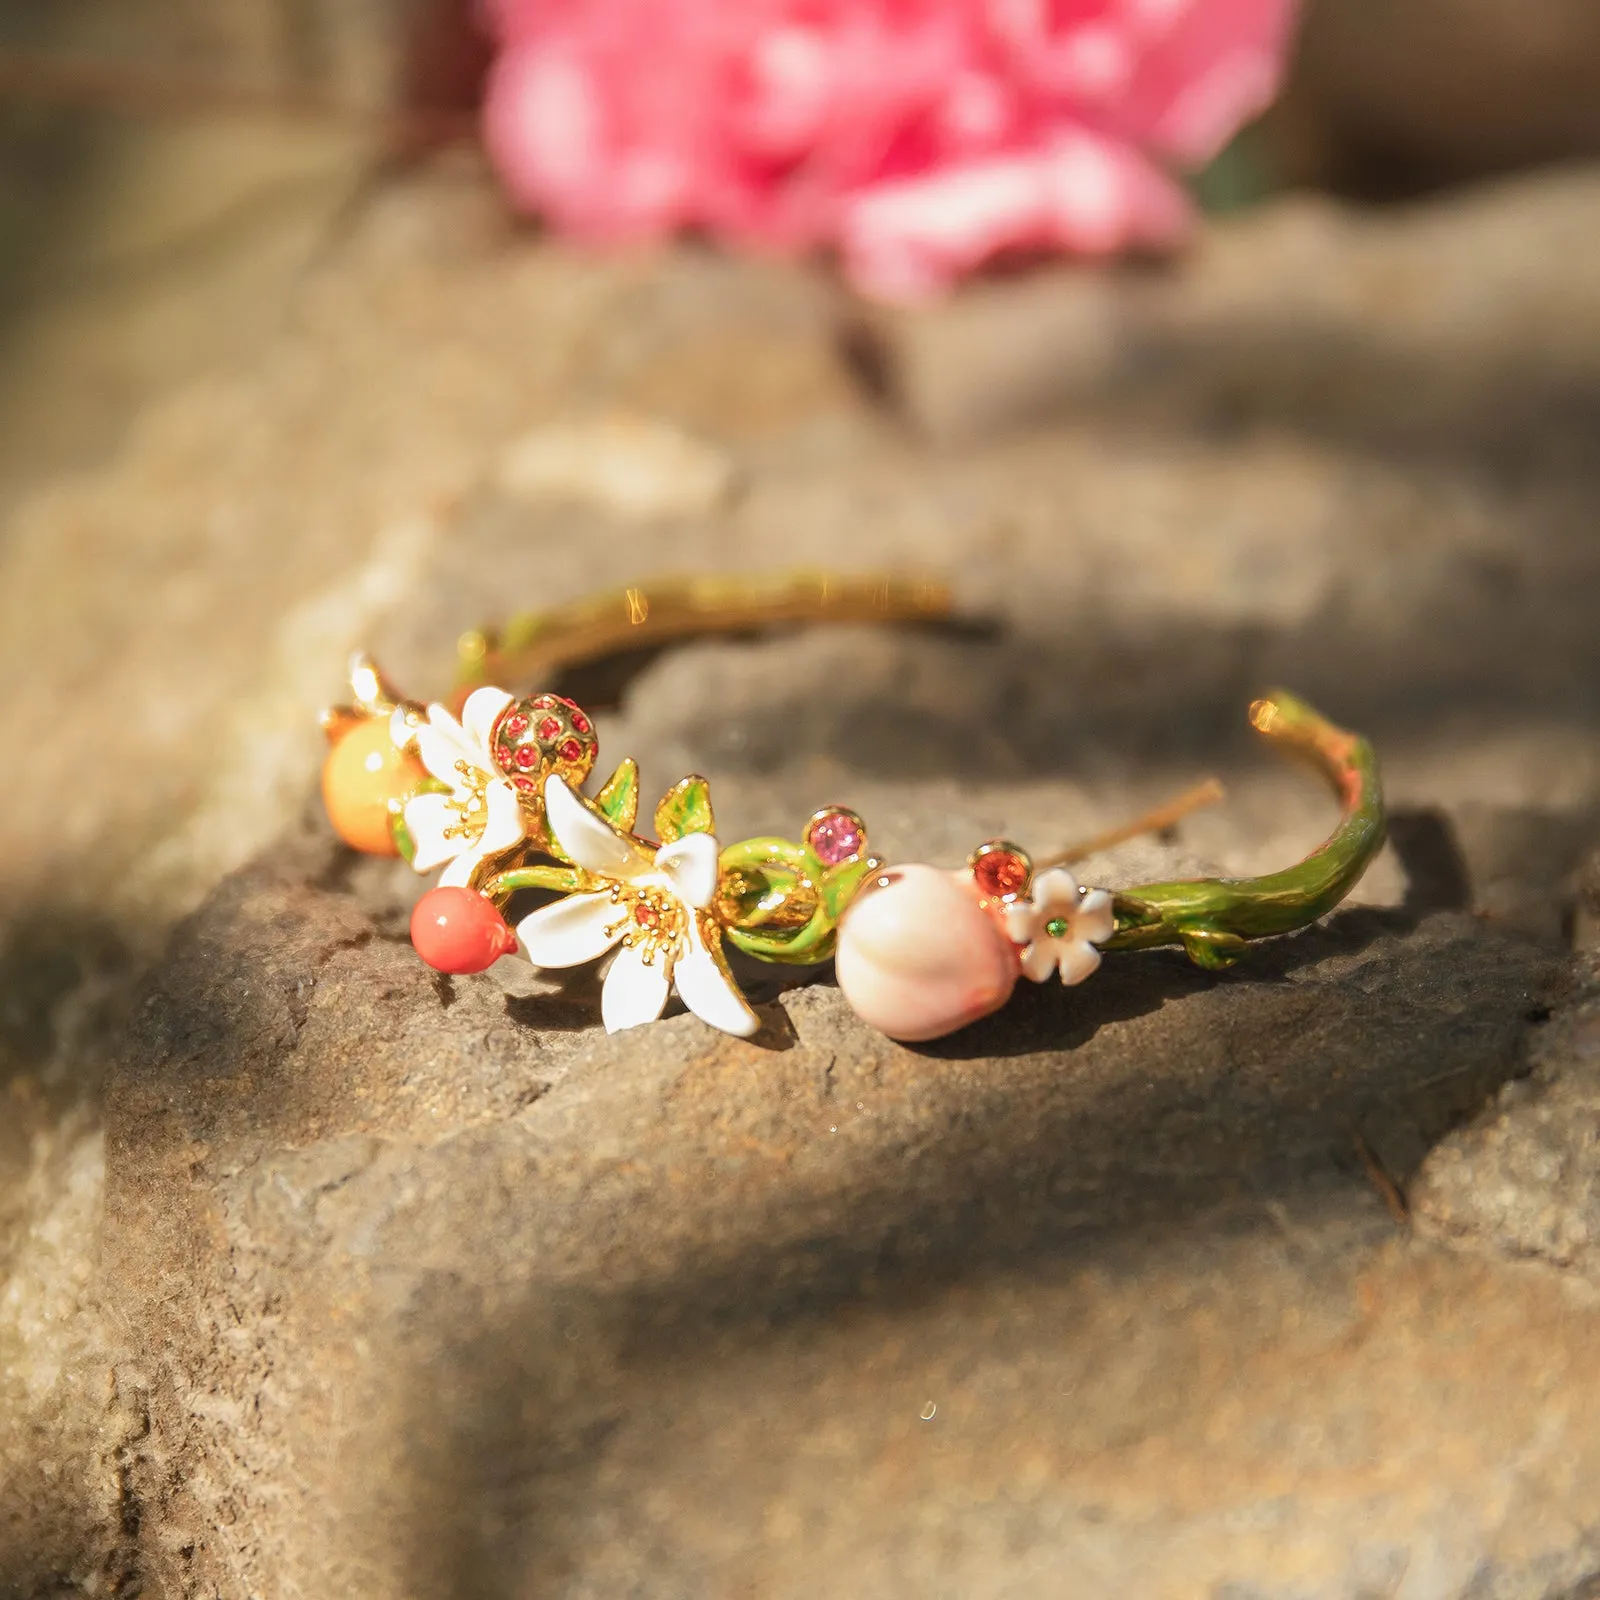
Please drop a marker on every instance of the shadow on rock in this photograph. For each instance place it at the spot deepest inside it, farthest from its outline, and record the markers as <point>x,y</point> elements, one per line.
<point>547,1237</point>
<point>61,973</point>
<point>1160,1112</point>
<point>1155,1110</point>
<point>1112,701</point>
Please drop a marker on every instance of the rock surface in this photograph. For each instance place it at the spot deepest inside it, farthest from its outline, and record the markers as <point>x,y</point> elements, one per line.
<point>676,1314</point>
<point>1390,95</point>
<point>413,1288</point>
<point>352,53</point>
<point>1524,1180</point>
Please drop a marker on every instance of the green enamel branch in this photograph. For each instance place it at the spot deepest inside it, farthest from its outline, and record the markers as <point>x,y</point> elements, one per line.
<point>778,901</point>
<point>781,903</point>
<point>1215,918</point>
<point>536,875</point>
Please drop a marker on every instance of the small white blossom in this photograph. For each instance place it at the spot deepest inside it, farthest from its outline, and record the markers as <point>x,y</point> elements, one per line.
<point>480,815</point>
<point>1060,926</point>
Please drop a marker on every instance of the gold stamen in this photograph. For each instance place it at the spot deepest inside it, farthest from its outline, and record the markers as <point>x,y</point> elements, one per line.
<point>474,809</point>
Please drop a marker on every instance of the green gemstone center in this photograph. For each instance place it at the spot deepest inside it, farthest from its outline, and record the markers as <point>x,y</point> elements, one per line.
<point>1057,927</point>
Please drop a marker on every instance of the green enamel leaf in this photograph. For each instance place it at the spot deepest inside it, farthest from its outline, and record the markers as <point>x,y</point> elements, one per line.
<point>619,798</point>
<point>401,834</point>
<point>685,808</point>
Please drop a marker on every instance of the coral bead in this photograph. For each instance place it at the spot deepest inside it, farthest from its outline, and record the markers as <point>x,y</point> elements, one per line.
<point>457,930</point>
<point>918,957</point>
<point>362,773</point>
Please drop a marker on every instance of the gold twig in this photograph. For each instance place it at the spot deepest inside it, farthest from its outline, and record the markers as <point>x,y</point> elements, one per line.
<point>1159,820</point>
<point>1390,1192</point>
<point>533,648</point>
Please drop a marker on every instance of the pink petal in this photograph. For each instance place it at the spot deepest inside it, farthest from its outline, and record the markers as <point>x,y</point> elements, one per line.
<point>904,241</point>
<point>545,127</point>
<point>1218,65</point>
<point>921,137</point>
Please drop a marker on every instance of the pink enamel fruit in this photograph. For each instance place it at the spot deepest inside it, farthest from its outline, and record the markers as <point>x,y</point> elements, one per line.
<point>918,957</point>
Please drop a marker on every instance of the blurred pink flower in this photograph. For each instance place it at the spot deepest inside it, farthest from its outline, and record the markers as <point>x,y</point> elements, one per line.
<point>918,137</point>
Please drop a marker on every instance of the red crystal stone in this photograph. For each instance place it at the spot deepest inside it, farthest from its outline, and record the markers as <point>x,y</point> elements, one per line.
<point>527,756</point>
<point>457,930</point>
<point>1000,874</point>
<point>580,722</point>
<point>836,836</point>
<point>570,750</point>
<point>646,915</point>
<point>545,702</point>
<point>526,785</point>
<point>516,725</point>
<point>549,728</point>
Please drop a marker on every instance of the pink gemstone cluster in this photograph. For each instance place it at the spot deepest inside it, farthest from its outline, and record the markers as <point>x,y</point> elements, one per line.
<point>920,138</point>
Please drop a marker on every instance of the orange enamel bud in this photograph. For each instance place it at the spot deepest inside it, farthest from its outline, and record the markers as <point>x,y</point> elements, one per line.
<point>362,773</point>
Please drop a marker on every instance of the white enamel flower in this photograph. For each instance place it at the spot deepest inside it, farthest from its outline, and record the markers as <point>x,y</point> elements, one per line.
<point>480,815</point>
<point>1060,926</point>
<point>651,910</point>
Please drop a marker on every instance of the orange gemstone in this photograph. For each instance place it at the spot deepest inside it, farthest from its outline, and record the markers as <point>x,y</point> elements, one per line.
<point>1000,873</point>
<point>362,772</point>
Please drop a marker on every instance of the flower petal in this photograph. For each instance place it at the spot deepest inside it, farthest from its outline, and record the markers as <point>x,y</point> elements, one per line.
<point>1096,916</point>
<point>1039,960</point>
<point>503,825</point>
<point>459,874</point>
<point>591,842</point>
<point>1054,891</point>
<point>708,989</point>
<point>1077,960</point>
<point>635,990</point>
<point>1022,920</point>
<point>440,745</point>
<point>479,714</point>
<point>571,931</point>
<point>428,816</point>
<point>690,865</point>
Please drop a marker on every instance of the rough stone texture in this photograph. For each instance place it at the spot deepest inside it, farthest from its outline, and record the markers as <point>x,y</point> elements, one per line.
<point>1387,338</point>
<point>351,52</point>
<point>1524,1180</point>
<point>137,256</point>
<point>431,1289</point>
<point>659,1313</point>
<point>1387,95</point>
<point>168,171</point>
